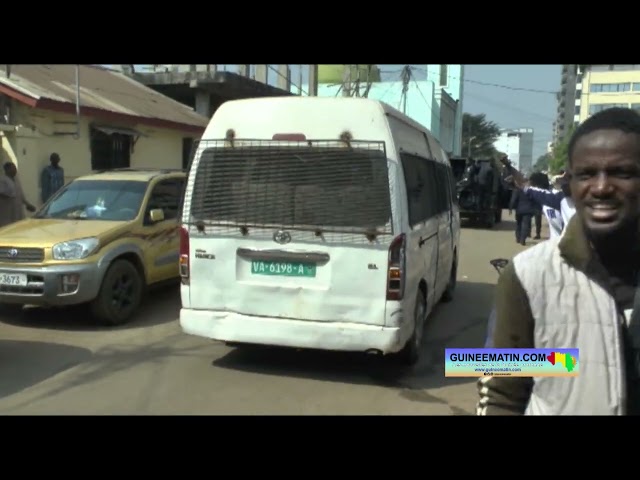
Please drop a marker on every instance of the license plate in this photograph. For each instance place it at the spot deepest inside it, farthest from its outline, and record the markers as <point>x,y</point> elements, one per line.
<point>284,269</point>
<point>13,279</point>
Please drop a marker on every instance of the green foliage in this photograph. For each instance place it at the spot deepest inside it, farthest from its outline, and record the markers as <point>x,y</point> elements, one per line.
<point>560,154</point>
<point>542,163</point>
<point>482,133</point>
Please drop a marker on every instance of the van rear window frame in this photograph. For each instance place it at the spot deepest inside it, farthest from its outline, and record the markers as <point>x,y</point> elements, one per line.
<point>378,153</point>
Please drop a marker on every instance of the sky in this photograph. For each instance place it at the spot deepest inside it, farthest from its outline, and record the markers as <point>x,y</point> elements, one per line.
<point>519,96</point>
<point>506,100</point>
<point>515,108</point>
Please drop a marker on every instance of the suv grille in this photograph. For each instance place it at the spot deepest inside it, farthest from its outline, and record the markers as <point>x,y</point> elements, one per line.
<point>21,255</point>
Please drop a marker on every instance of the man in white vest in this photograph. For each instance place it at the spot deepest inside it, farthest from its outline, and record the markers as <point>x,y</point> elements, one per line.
<point>578,290</point>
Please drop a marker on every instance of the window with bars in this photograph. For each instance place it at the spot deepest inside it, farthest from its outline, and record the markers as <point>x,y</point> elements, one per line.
<point>109,151</point>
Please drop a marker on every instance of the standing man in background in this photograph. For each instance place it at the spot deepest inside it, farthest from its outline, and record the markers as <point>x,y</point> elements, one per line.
<point>525,210</point>
<point>52,177</point>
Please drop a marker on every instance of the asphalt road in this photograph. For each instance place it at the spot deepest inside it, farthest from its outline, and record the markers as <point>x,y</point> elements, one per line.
<point>59,362</point>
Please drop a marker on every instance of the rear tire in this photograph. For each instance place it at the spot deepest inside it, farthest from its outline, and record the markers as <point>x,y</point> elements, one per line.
<point>447,296</point>
<point>120,294</point>
<point>410,354</point>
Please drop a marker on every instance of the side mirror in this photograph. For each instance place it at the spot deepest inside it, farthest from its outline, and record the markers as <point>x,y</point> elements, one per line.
<point>156,215</point>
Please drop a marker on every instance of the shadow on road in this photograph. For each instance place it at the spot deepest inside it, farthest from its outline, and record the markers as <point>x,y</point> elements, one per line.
<point>506,225</point>
<point>24,364</point>
<point>160,306</point>
<point>459,324</point>
<point>89,366</point>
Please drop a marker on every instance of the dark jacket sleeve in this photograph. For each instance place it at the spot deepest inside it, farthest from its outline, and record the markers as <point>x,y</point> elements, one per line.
<point>545,197</point>
<point>513,328</point>
<point>513,203</point>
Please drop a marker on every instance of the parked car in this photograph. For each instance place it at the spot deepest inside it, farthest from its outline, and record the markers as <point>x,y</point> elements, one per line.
<point>103,239</point>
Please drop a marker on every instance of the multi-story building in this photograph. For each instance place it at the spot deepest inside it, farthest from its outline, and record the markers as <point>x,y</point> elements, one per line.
<point>566,102</point>
<point>607,86</point>
<point>517,143</point>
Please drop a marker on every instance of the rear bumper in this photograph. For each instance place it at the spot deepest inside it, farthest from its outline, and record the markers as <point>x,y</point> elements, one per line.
<point>235,327</point>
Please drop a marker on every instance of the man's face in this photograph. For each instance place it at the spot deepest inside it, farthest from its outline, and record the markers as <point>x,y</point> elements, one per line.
<point>605,180</point>
<point>55,161</point>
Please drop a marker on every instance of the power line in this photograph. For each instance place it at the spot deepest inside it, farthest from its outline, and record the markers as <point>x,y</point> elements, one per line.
<point>497,85</point>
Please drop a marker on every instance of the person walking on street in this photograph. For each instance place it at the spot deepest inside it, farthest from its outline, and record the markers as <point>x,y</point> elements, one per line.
<point>52,177</point>
<point>12,201</point>
<point>580,290</point>
<point>540,182</point>
<point>525,210</point>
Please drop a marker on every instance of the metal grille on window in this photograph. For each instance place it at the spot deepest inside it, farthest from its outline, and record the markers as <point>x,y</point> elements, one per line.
<point>326,188</point>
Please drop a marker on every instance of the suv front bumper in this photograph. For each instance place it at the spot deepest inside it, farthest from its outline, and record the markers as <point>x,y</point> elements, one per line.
<point>54,285</point>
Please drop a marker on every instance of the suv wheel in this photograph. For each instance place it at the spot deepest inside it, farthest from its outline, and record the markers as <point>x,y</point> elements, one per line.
<point>120,294</point>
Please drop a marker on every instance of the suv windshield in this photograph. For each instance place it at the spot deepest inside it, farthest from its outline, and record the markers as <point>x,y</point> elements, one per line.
<point>115,200</point>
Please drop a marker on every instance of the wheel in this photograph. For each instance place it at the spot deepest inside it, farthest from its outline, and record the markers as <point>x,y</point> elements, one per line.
<point>490,219</point>
<point>410,354</point>
<point>447,296</point>
<point>120,294</point>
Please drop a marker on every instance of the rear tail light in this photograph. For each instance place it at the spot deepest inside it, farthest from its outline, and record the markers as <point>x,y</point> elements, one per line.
<point>184,255</point>
<point>396,268</point>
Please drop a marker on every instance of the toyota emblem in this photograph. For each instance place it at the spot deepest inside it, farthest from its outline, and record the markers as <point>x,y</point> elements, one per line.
<point>281,237</point>
<point>13,253</point>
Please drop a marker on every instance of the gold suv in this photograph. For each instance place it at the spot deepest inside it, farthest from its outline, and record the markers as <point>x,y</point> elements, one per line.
<point>102,239</point>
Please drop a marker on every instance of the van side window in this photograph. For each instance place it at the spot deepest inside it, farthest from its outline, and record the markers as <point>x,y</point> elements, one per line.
<point>453,188</point>
<point>422,189</point>
<point>444,194</point>
<point>166,195</point>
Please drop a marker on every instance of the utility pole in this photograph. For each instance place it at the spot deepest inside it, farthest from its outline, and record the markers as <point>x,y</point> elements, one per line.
<point>300,78</point>
<point>369,82</point>
<point>313,81</point>
<point>346,81</point>
<point>406,77</point>
<point>356,90</point>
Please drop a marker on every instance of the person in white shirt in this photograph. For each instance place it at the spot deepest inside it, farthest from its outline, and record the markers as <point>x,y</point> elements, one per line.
<point>559,200</point>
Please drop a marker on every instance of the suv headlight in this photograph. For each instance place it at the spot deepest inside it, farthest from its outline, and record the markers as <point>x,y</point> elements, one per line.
<point>75,249</point>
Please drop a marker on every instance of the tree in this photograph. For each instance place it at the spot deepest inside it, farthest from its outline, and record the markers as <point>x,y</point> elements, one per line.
<point>480,134</point>
<point>560,154</point>
<point>542,163</point>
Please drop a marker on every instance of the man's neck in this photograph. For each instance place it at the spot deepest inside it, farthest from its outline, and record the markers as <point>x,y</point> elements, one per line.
<point>621,246</point>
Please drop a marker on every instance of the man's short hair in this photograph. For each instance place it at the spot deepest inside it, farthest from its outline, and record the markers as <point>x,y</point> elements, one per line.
<point>618,118</point>
<point>54,156</point>
<point>540,180</point>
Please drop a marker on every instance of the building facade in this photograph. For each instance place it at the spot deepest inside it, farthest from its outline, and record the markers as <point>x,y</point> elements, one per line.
<point>106,121</point>
<point>567,105</point>
<point>606,86</point>
<point>518,145</point>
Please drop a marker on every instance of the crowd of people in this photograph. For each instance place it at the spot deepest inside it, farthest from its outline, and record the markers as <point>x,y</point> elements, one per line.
<point>580,288</point>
